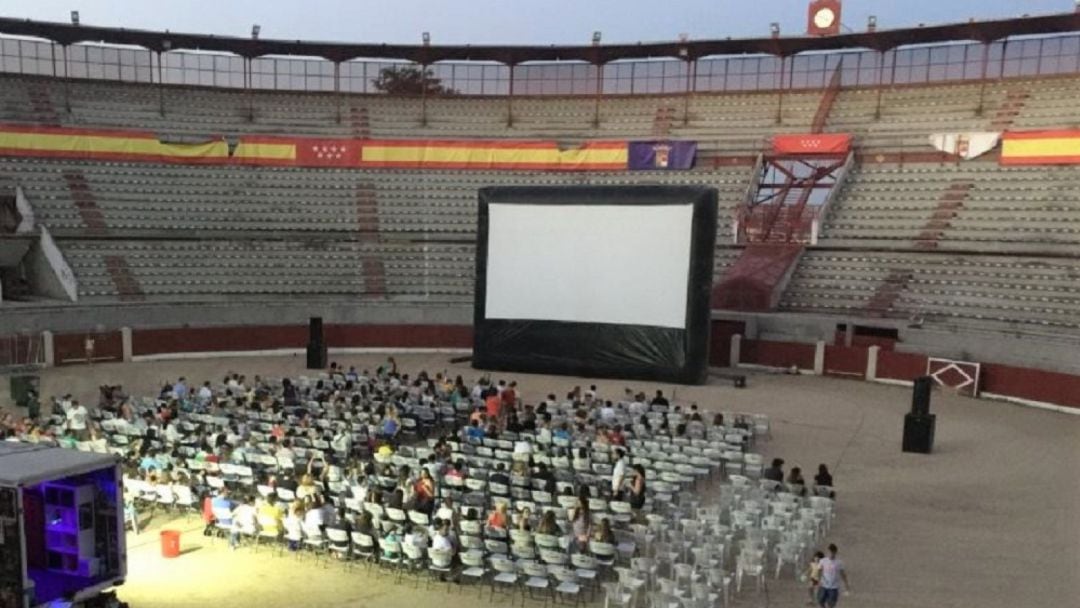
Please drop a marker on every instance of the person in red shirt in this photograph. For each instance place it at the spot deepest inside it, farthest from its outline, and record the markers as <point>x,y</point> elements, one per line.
<point>493,405</point>
<point>509,395</point>
<point>616,436</point>
<point>498,518</point>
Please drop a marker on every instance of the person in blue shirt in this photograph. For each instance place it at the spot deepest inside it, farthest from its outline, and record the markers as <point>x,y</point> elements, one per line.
<point>180,389</point>
<point>222,504</point>
<point>475,432</point>
<point>150,462</point>
<point>563,432</point>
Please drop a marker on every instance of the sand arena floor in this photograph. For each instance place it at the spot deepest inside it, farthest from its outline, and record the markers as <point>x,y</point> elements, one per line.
<point>991,519</point>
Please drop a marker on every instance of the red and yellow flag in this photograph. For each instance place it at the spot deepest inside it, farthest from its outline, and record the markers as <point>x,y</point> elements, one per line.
<point>64,142</point>
<point>1059,147</point>
<point>461,154</point>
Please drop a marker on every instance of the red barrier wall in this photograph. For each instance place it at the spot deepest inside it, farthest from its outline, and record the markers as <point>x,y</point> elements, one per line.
<point>900,366</point>
<point>777,354</point>
<point>844,361</point>
<point>275,337</point>
<point>720,341</point>
<point>1033,384</point>
<point>69,349</point>
<point>402,336</point>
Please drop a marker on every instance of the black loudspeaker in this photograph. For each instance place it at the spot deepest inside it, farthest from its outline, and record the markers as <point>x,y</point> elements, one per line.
<point>920,396</point>
<point>919,433</point>
<point>316,347</point>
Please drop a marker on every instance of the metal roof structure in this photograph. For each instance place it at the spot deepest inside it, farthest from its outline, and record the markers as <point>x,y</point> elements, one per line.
<point>24,464</point>
<point>880,40</point>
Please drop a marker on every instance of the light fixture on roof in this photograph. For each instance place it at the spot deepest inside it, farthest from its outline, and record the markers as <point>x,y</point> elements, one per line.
<point>596,37</point>
<point>871,22</point>
<point>255,29</point>
<point>774,28</point>
<point>683,37</point>
<point>74,17</point>
<point>426,37</point>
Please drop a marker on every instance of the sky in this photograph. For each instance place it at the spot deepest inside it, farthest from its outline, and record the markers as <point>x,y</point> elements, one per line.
<point>507,21</point>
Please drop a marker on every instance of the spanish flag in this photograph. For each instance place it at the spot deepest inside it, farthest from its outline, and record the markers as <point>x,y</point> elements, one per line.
<point>1061,147</point>
<point>64,142</point>
<point>493,155</point>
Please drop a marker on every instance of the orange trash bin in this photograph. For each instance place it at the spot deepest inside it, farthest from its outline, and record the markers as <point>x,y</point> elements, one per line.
<point>170,543</point>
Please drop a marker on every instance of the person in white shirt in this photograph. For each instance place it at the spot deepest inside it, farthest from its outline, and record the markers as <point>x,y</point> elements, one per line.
<point>543,434</point>
<point>832,572</point>
<point>441,540</point>
<point>76,420</point>
<point>244,518</point>
<point>342,443</point>
<point>607,412</point>
<point>205,394</point>
<point>523,446</point>
<point>618,472</point>
<point>315,516</point>
<point>417,538</point>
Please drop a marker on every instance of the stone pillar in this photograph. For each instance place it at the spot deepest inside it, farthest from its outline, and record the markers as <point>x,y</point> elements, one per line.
<point>47,348</point>
<point>125,341</point>
<point>736,349</point>
<point>871,362</point>
<point>819,358</point>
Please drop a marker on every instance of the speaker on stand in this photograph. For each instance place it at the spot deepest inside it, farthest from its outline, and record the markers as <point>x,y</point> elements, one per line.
<point>919,424</point>
<point>316,347</point>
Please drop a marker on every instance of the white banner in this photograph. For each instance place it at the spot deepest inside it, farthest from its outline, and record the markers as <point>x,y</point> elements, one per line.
<point>968,145</point>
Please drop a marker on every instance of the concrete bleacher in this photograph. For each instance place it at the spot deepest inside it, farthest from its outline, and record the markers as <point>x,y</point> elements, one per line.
<point>1023,292</point>
<point>152,199</point>
<point>176,270</point>
<point>720,121</point>
<point>971,206</point>
<point>918,239</point>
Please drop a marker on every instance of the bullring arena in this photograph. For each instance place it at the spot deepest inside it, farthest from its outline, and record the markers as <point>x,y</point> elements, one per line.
<point>892,207</point>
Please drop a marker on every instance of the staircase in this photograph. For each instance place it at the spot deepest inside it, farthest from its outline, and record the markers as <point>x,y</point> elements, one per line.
<point>1015,100</point>
<point>85,202</point>
<point>821,117</point>
<point>41,104</point>
<point>127,285</point>
<point>662,121</point>
<point>360,122</point>
<point>367,211</point>
<point>757,279</point>
<point>888,292</point>
<point>374,275</point>
<point>948,207</point>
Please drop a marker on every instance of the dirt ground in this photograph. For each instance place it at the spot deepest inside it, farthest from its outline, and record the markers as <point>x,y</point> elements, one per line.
<point>990,519</point>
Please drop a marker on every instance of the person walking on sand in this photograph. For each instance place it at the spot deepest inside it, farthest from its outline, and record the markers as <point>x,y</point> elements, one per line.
<point>832,572</point>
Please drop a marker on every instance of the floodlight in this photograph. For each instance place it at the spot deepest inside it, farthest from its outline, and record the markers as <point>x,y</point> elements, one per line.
<point>74,17</point>
<point>255,29</point>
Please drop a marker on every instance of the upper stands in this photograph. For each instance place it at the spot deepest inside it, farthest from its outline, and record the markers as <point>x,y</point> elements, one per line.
<point>912,239</point>
<point>721,122</point>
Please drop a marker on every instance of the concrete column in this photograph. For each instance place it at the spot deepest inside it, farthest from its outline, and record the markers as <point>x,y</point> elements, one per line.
<point>871,362</point>
<point>819,358</point>
<point>125,341</point>
<point>47,347</point>
<point>736,349</point>
<point>849,334</point>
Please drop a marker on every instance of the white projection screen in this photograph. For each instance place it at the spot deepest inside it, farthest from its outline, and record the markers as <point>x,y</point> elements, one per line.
<point>589,263</point>
<point>595,281</point>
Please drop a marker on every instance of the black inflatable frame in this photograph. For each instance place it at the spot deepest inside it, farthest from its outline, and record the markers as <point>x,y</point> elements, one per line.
<point>602,350</point>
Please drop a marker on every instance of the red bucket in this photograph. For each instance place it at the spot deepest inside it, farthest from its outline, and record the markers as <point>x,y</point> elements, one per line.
<point>170,543</point>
